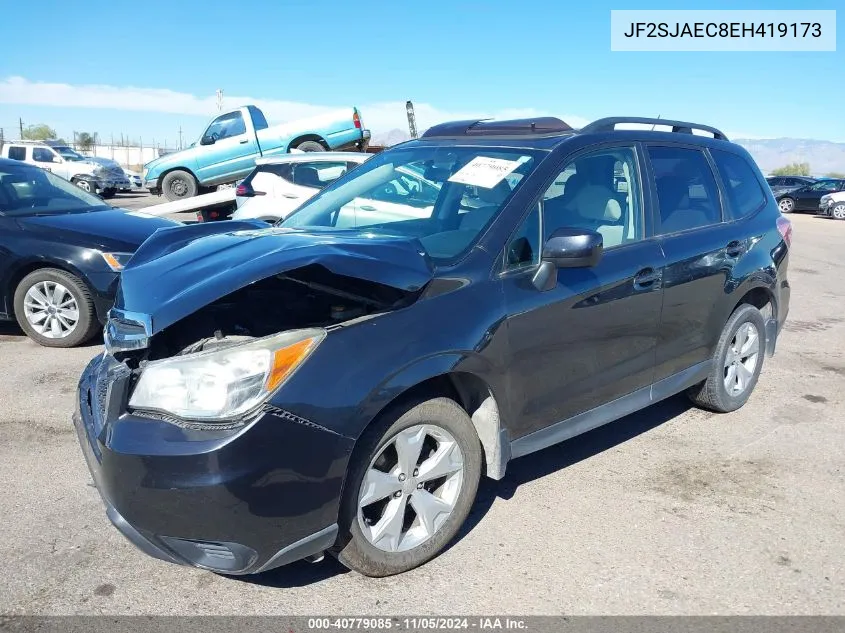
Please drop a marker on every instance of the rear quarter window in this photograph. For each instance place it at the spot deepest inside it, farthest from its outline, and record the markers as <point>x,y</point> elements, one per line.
<point>745,195</point>
<point>17,153</point>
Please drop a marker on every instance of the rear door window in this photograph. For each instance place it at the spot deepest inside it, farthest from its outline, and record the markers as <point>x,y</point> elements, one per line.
<point>686,189</point>
<point>743,190</point>
<point>42,155</point>
<point>317,174</point>
<point>17,153</point>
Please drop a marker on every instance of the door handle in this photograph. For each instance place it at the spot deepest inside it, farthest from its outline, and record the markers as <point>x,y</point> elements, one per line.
<point>290,195</point>
<point>367,207</point>
<point>243,141</point>
<point>735,248</point>
<point>646,278</point>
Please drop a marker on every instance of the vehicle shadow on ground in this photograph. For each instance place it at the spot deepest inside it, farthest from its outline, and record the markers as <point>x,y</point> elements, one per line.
<point>12,333</point>
<point>519,472</point>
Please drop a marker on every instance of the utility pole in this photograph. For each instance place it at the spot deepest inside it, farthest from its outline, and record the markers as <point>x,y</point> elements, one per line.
<point>412,120</point>
<point>21,124</point>
<point>180,137</point>
<point>219,100</point>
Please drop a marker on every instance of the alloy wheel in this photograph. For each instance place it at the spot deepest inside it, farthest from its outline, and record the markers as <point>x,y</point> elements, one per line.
<point>51,309</point>
<point>741,359</point>
<point>786,205</point>
<point>84,185</point>
<point>838,211</point>
<point>410,488</point>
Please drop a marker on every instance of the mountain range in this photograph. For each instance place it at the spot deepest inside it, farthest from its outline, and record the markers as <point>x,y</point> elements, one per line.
<point>823,156</point>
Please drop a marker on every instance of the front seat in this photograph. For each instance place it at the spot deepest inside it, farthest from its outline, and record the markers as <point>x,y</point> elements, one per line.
<point>588,201</point>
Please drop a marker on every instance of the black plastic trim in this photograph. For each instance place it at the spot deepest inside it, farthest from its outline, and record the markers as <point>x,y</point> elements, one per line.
<point>611,411</point>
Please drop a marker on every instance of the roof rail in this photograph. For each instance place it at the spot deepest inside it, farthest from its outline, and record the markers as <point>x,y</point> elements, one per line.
<point>682,127</point>
<point>487,127</point>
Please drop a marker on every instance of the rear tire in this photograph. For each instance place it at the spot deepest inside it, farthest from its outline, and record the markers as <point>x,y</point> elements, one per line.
<point>73,296</point>
<point>109,193</point>
<point>311,146</point>
<point>737,363</point>
<point>446,438</point>
<point>179,185</point>
<point>786,205</point>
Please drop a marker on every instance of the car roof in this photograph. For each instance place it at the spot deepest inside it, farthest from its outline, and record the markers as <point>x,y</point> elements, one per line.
<point>358,157</point>
<point>10,162</point>
<point>546,133</point>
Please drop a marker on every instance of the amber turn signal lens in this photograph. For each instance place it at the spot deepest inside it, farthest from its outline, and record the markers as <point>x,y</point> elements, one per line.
<point>111,260</point>
<point>285,360</point>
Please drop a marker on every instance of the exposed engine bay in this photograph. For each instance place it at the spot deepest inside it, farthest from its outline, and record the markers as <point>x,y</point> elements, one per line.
<point>306,297</point>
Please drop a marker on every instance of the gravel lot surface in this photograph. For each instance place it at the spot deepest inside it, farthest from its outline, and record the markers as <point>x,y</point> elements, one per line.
<point>672,510</point>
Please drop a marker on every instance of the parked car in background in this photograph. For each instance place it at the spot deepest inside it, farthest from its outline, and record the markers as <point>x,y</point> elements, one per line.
<point>279,184</point>
<point>227,150</point>
<point>807,198</point>
<point>833,205</point>
<point>114,172</point>
<point>53,156</point>
<point>785,184</point>
<point>134,178</point>
<point>339,382</point>
<point>61,253</point>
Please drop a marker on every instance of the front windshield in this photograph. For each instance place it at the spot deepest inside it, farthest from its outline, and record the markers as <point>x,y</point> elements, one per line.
<point>26,190</point>
<point>68,154</point>
<point>445,196</point>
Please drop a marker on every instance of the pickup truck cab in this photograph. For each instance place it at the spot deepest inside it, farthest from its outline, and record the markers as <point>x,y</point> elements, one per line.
<point>227,150</point>
<point>55,156</point>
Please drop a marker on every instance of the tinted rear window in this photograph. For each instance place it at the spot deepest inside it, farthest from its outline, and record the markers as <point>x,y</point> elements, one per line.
<point>686,189</point>
<point>17,153</point>
<point>743,189</point>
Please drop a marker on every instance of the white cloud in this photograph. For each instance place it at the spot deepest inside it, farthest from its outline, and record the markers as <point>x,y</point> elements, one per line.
<point>380,117</point>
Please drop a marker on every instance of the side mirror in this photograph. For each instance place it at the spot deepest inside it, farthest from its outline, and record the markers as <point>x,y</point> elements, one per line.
<point>573,248</point>
<point>207,140</point>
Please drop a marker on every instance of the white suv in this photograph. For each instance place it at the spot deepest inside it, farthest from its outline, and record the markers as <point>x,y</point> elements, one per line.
<point>279,185</point>
<point>58,158</point>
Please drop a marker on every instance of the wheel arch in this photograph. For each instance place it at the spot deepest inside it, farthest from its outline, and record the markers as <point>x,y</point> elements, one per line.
<point>473,394</point>
<point>187,170</point>
<point>16,276</point>
<point>308,137</point>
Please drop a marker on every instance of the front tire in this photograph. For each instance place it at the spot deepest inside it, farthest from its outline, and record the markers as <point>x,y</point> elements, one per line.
<point>311,146</point>
<point>55,308</point>
<point>838,211</point>
<point>179,185</point>
<point>392,521</point>
<point>737,363</point>
<point>85,185</point>
<point>786,205</point>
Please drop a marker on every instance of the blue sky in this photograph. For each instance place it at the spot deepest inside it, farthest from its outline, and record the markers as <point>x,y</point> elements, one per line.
<point>156,66</point>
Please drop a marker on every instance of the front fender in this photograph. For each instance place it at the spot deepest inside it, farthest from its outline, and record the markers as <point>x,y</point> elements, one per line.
<point>418,372</point>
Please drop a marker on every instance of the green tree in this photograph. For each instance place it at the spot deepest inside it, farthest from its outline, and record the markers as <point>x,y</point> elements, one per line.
<point>835,174</point>
<point>39,132</point>
<point>793,169</point>
<point>86,141</point>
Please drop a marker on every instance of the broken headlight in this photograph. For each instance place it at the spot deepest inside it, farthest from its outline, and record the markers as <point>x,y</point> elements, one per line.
<point>225,383</point>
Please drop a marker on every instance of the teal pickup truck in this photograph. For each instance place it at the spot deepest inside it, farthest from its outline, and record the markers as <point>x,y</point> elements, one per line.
<point>227,150</point>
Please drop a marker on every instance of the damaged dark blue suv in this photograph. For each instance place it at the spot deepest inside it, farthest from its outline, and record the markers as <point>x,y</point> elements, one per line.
<point>340,381</point>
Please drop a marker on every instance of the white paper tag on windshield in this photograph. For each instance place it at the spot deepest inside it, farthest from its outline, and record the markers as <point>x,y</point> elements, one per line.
<point>484,172</point>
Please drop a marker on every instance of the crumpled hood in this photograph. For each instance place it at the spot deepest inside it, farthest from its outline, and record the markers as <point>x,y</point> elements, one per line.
<point>178,271</point>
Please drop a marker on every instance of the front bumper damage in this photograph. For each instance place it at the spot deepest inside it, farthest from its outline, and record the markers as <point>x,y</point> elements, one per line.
<point>230,501</point>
